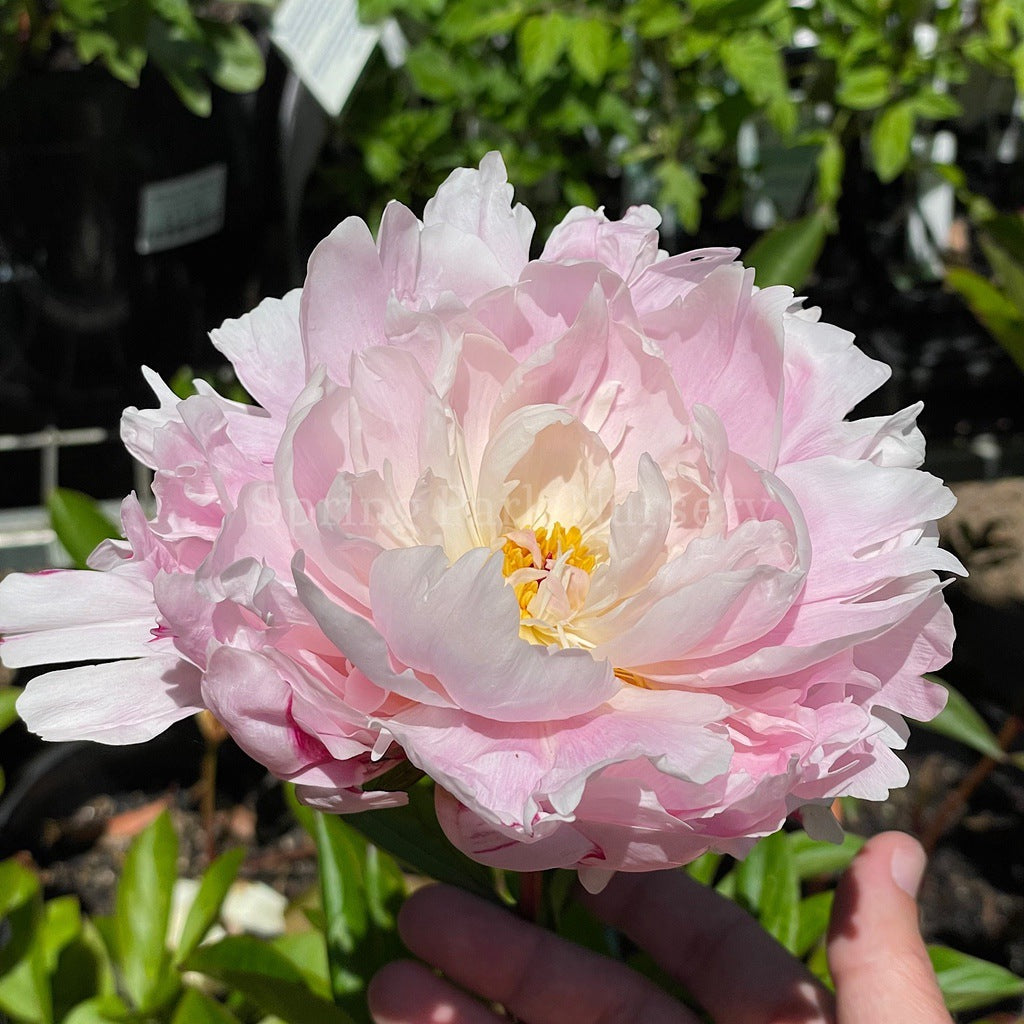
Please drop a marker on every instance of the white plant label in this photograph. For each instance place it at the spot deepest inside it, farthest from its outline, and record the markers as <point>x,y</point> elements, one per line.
<point>180,210</point>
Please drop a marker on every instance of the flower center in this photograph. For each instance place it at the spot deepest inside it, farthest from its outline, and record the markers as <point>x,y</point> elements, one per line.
<point>530,555</point>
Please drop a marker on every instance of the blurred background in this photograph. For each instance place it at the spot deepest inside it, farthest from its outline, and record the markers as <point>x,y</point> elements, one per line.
<point>166,163</point>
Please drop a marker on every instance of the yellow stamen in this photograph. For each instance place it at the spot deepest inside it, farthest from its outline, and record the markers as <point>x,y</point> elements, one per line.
<point>552,545</point>
<point>632,678</point>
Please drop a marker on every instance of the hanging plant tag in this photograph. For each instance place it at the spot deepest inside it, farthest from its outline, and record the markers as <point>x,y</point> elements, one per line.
<point>326,45</point>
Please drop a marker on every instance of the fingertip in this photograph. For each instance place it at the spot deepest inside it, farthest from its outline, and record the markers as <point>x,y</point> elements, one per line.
<point>387,994</point>
<point>876,953</point>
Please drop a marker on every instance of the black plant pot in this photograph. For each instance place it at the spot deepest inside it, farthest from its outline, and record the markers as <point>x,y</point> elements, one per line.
<point>128,228</point>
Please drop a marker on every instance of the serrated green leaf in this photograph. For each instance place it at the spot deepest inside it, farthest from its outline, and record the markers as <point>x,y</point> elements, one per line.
<point>864,88</point>
<point>891,135</point>
<point>143,908</point>
<point>814,858</point>
<point>541,41</point>
<point>205,909</point>
<point>959,721</point>
<point>968,983</point>
<point>265,977</point>
<point>590,48</point>
<point>788,252</point>
<point>79,523</point>
<point>412,835</point>
<point>196,1008</point>
<point>8,698</point>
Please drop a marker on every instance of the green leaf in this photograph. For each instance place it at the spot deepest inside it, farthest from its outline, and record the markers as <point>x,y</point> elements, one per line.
<point>681,189</point>
<point>432,71</point>
<point>541,42</point>
<point>935,106</point>
<point>590,48</point>
<point>412,835</point>
<point>8,713</point>
<point>100,1010</point>
<point>994,311</point>
<point>205,908</point>
<point>1008,268</point>
<point>705,867</point>
<point>79,523</point>
<point>341,885</point>
<point>864,88</point>
<point>384,884</point>
<point>831,164</point>
<point>814,858</point>
<point>308,953</point>
<point>968,983</point>
<point>788,252</point>
<point>143,908</point>
<point>813,916</point>
<point>891,135</point>
<point>236,61</point>
<point>196,1008</point>
<point>24,986</point>
<point>766,881</point>
<point>265,977</point>
<point>17,886</point>
<point>62,924</point>
<point>755,61</point>
<point>959,721</point>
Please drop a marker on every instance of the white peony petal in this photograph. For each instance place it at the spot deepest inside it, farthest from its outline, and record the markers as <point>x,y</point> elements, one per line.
<point>117,703</point>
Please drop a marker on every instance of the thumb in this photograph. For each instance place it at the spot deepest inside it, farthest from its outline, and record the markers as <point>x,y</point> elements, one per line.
<point>875,951</point>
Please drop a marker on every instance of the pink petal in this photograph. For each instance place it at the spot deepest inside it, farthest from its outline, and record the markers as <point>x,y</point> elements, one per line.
<point>460,625</point>
<point>265,348</point>
<point>117,703</point>
<point>343,299</point>
<point>75,615</point>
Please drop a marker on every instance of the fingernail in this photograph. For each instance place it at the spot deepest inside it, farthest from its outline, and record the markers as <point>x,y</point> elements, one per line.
<point>907,867</point>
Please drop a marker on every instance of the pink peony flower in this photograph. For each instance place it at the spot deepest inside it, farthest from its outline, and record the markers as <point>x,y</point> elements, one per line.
<point>586,538</point>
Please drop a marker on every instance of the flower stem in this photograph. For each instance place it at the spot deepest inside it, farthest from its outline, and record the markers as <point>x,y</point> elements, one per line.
<point>530,904</point>
<point>953,807</point>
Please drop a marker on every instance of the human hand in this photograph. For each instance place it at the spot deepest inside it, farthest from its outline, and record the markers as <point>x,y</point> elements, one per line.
<point>738,973</point>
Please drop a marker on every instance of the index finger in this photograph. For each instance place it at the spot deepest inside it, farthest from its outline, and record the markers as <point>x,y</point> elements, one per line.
<point>732,967</point>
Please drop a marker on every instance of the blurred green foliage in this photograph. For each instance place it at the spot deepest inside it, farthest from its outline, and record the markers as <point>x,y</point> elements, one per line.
<point>195,45</point>
<point>608,101</point>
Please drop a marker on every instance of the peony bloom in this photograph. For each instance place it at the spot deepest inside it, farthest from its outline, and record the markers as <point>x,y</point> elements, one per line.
<point>586,538</point>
